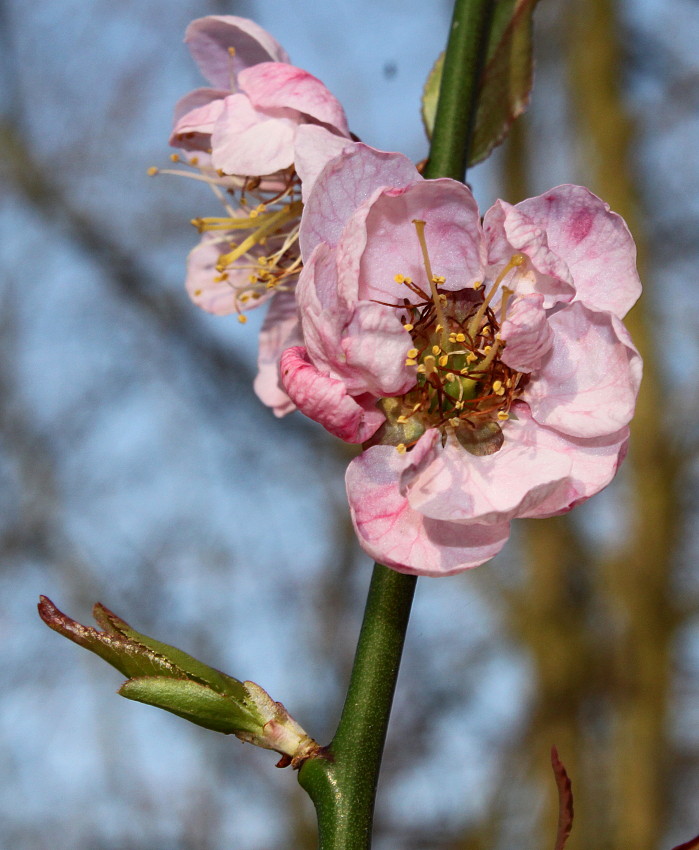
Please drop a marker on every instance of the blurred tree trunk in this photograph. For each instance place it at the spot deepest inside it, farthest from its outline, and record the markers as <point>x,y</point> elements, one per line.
<point>636,581</point>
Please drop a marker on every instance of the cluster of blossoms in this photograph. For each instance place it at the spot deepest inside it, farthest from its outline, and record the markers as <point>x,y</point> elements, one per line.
<point>483,364</point>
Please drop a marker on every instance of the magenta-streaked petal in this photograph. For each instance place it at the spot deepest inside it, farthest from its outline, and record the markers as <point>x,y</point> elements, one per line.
<point>195,116</point>
<point>314,147</point>
<point>325,399</point>
<point>210,38</point>
<point>245,141</point>
<point>508,231</point>
<point>452,233</point>
<point>587,384</point>
<point>394,534</point>
<point>594,242</point>
<point>280,330</point>
<point>276,85</point>
<point>527,333</point>
<point>345,183</point>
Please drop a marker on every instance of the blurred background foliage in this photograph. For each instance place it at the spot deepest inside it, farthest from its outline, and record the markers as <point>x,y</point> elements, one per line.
<point>137,467</point>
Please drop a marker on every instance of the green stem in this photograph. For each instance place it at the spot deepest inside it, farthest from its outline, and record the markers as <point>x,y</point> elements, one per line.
<point>342,779</point>
<point>342,784</point>
<point>459,90</point>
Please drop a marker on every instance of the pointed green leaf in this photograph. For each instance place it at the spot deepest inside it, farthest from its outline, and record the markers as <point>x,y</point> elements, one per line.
<point>194,702</point>
<point>133,654</point>
<point>506,79</point>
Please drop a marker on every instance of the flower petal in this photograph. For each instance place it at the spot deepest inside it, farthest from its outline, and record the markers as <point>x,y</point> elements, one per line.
<point>594,242</point>
<point>452,233</point>
<point>314,147</point>
<point>394,534</point>
<point>527,332</point>
<point>508,231</point>
<point>245,141</point>
<point>588,382</point>
<point>325,399</point>
<point>277,85</point>
<point>280,330</point>
<point>195,116</point>
<point>346,182</point>
<point>537,472</point>
<point>209,40</point>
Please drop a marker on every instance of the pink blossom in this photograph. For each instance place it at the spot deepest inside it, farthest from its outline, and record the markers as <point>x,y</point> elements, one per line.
<point>502,388</point>
<point>250,117</point>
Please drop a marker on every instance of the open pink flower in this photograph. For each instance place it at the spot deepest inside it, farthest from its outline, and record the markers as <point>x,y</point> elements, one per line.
<point>485,366</point>
<point>249,119</point>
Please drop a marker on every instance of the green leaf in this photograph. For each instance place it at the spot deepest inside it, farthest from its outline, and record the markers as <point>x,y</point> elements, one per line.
<point>506,79</point>
<point>194,702</point>
<point>133,654</point>
<point>163,676</point>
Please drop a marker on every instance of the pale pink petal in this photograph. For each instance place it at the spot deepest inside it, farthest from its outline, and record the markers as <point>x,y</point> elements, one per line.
<point>394,534</point>
<point>276,85</point>
<point>347,181</point>
<point>203,287</point>
<point>452,233</point>
<point>245,141</point>
<point>594,242</point>
<point>527,333</point>
<point>195,116</point>
<point>280,330</point>
<point>325,399</point>
<point>314,147</point>
<point>537,472</point>
<point>375,346</point>
<point>364,346</point>
<point>587,384</point>
<point>507,232</point>
<point>210,38</point>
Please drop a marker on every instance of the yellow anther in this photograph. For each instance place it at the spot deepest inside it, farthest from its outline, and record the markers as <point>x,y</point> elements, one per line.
<point>450,376</point>
<point>477,284</point>
<point>408,326</point>
<point>221,277</point>
<point>459,405</point>
<point>402,419</point>
<point>436,349</point>
<point>197,292</point>
<point>400,448</point>
<point>471,357</point>
<point>410,362</point>
<point>152,171</point>
<point>421,369</point>
<point>438,279</point>
<point>455,421</point>
<point>443,360</point>
<point>399,278</point>
<point>231,51</point>
<point>452,337</point>
<point>497,385</point>
<point>174,157</point>
<point>461,337</point>
<point>503,416</point>
<point>438,328</point>
<point>194,160</point>
<point>487,349</point>
<point>242,319</point>
<point>413,352</point>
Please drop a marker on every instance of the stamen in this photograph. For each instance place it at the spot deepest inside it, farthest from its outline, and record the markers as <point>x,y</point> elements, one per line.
<point>474,325</point>
<point>438,304</point>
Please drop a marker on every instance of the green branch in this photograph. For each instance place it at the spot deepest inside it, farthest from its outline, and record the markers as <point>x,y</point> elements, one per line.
<point>342,780</point>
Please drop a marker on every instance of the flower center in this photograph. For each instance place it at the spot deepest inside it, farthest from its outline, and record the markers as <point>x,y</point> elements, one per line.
<point>463,388</point>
